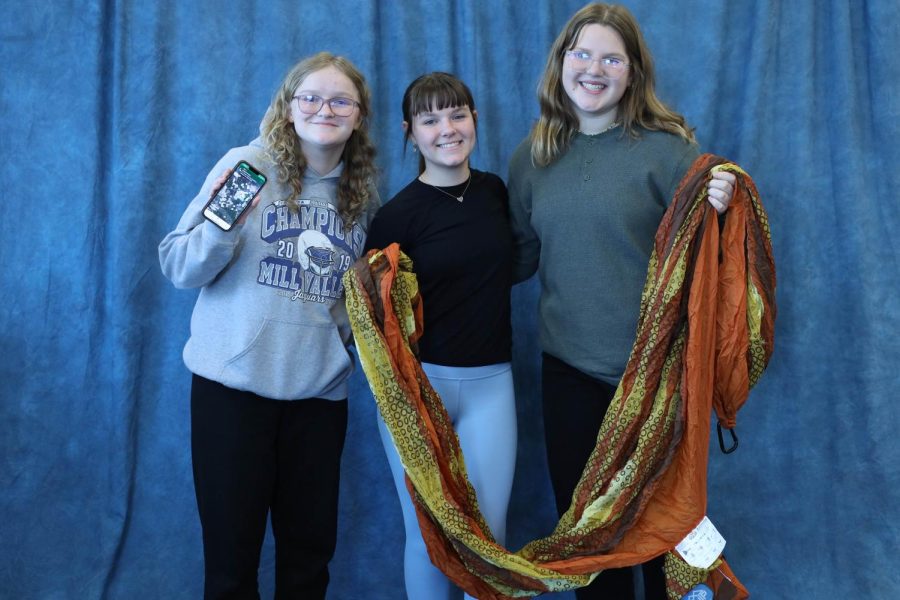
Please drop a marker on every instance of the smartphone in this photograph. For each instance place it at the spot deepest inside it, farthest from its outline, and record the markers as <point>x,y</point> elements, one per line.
<point>233,198</point>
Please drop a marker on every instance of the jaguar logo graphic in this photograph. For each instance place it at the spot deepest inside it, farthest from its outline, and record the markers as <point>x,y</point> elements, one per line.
<point>315,252</point>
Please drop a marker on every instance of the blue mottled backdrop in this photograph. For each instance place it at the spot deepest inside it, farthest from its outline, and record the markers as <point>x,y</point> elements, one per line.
<point>111,114</point>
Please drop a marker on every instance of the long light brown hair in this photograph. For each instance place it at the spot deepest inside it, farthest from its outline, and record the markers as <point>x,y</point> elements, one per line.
<point>639,106</point>
<point>284,149</point>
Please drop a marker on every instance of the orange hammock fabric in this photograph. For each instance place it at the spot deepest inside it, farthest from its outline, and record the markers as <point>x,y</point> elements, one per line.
<point>705,335</point>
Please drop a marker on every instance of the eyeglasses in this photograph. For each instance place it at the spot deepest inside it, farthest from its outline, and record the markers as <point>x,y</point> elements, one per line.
<point>311,104</point>
<point>612,66</point>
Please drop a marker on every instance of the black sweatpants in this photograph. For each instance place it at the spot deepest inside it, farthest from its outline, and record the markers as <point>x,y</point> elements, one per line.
<point>252,455</point>
<point>574,406</point>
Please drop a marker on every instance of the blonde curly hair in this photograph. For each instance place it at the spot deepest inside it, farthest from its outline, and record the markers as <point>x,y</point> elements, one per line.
<point>640,106</point>
<point>283,145</point>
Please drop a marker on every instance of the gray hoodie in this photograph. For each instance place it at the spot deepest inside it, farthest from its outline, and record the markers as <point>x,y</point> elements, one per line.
<point>270,318</point>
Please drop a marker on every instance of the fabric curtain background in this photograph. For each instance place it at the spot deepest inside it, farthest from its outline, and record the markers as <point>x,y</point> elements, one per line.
<point>112,113</point>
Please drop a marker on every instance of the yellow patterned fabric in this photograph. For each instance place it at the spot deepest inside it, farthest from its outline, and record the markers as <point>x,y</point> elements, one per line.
<point>705,334</point>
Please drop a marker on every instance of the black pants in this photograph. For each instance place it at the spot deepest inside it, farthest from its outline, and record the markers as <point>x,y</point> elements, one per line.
<point>574,406</point>
<point>252,455</point>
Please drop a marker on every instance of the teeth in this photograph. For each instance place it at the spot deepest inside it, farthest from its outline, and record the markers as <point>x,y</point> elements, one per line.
<point>593,87</point>
<point>449,144</point>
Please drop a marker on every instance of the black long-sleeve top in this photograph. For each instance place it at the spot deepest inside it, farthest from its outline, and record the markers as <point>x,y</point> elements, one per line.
<point>462,257</point>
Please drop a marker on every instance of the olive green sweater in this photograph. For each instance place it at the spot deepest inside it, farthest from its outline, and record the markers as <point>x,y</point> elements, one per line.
<point>586,224</point>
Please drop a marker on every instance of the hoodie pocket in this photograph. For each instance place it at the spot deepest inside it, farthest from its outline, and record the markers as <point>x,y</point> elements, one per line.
<point>289,361</point>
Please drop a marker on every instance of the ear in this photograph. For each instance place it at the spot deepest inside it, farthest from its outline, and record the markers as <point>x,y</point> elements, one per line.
<point>408,133</point>
<point>475,116</point>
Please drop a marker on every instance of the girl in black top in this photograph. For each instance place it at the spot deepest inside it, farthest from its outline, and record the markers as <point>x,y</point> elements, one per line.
<point>452,222</point>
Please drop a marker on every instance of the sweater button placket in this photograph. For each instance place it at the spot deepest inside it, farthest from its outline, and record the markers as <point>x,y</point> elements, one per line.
<point>587,161</point>
<point>586,165</point>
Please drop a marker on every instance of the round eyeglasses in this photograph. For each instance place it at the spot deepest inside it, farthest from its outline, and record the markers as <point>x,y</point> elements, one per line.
<point>582,61</point>
<point>311,104</point>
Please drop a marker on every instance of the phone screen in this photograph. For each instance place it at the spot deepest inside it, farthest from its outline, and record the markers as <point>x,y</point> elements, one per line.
<point>234,196</point>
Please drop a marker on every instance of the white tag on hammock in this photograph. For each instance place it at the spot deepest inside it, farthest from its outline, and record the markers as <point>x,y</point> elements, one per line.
<point>702,546</point>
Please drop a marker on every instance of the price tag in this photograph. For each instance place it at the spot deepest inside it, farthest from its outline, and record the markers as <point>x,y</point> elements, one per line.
<point>702,546</point>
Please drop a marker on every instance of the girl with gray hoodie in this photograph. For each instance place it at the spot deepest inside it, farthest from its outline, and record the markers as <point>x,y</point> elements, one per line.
<point>269,332</point>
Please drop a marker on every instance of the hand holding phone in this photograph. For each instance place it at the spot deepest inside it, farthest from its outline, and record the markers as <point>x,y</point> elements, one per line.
<point>235,195</point>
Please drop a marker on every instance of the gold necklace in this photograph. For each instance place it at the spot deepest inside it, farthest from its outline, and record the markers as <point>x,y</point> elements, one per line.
<point>612,125</point>
<point>457,198</point>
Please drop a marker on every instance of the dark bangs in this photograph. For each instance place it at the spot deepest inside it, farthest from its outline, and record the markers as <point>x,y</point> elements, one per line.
<point>433,92</point>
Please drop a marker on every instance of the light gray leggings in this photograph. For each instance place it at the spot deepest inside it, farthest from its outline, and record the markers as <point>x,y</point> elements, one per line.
<point>481,405</point>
